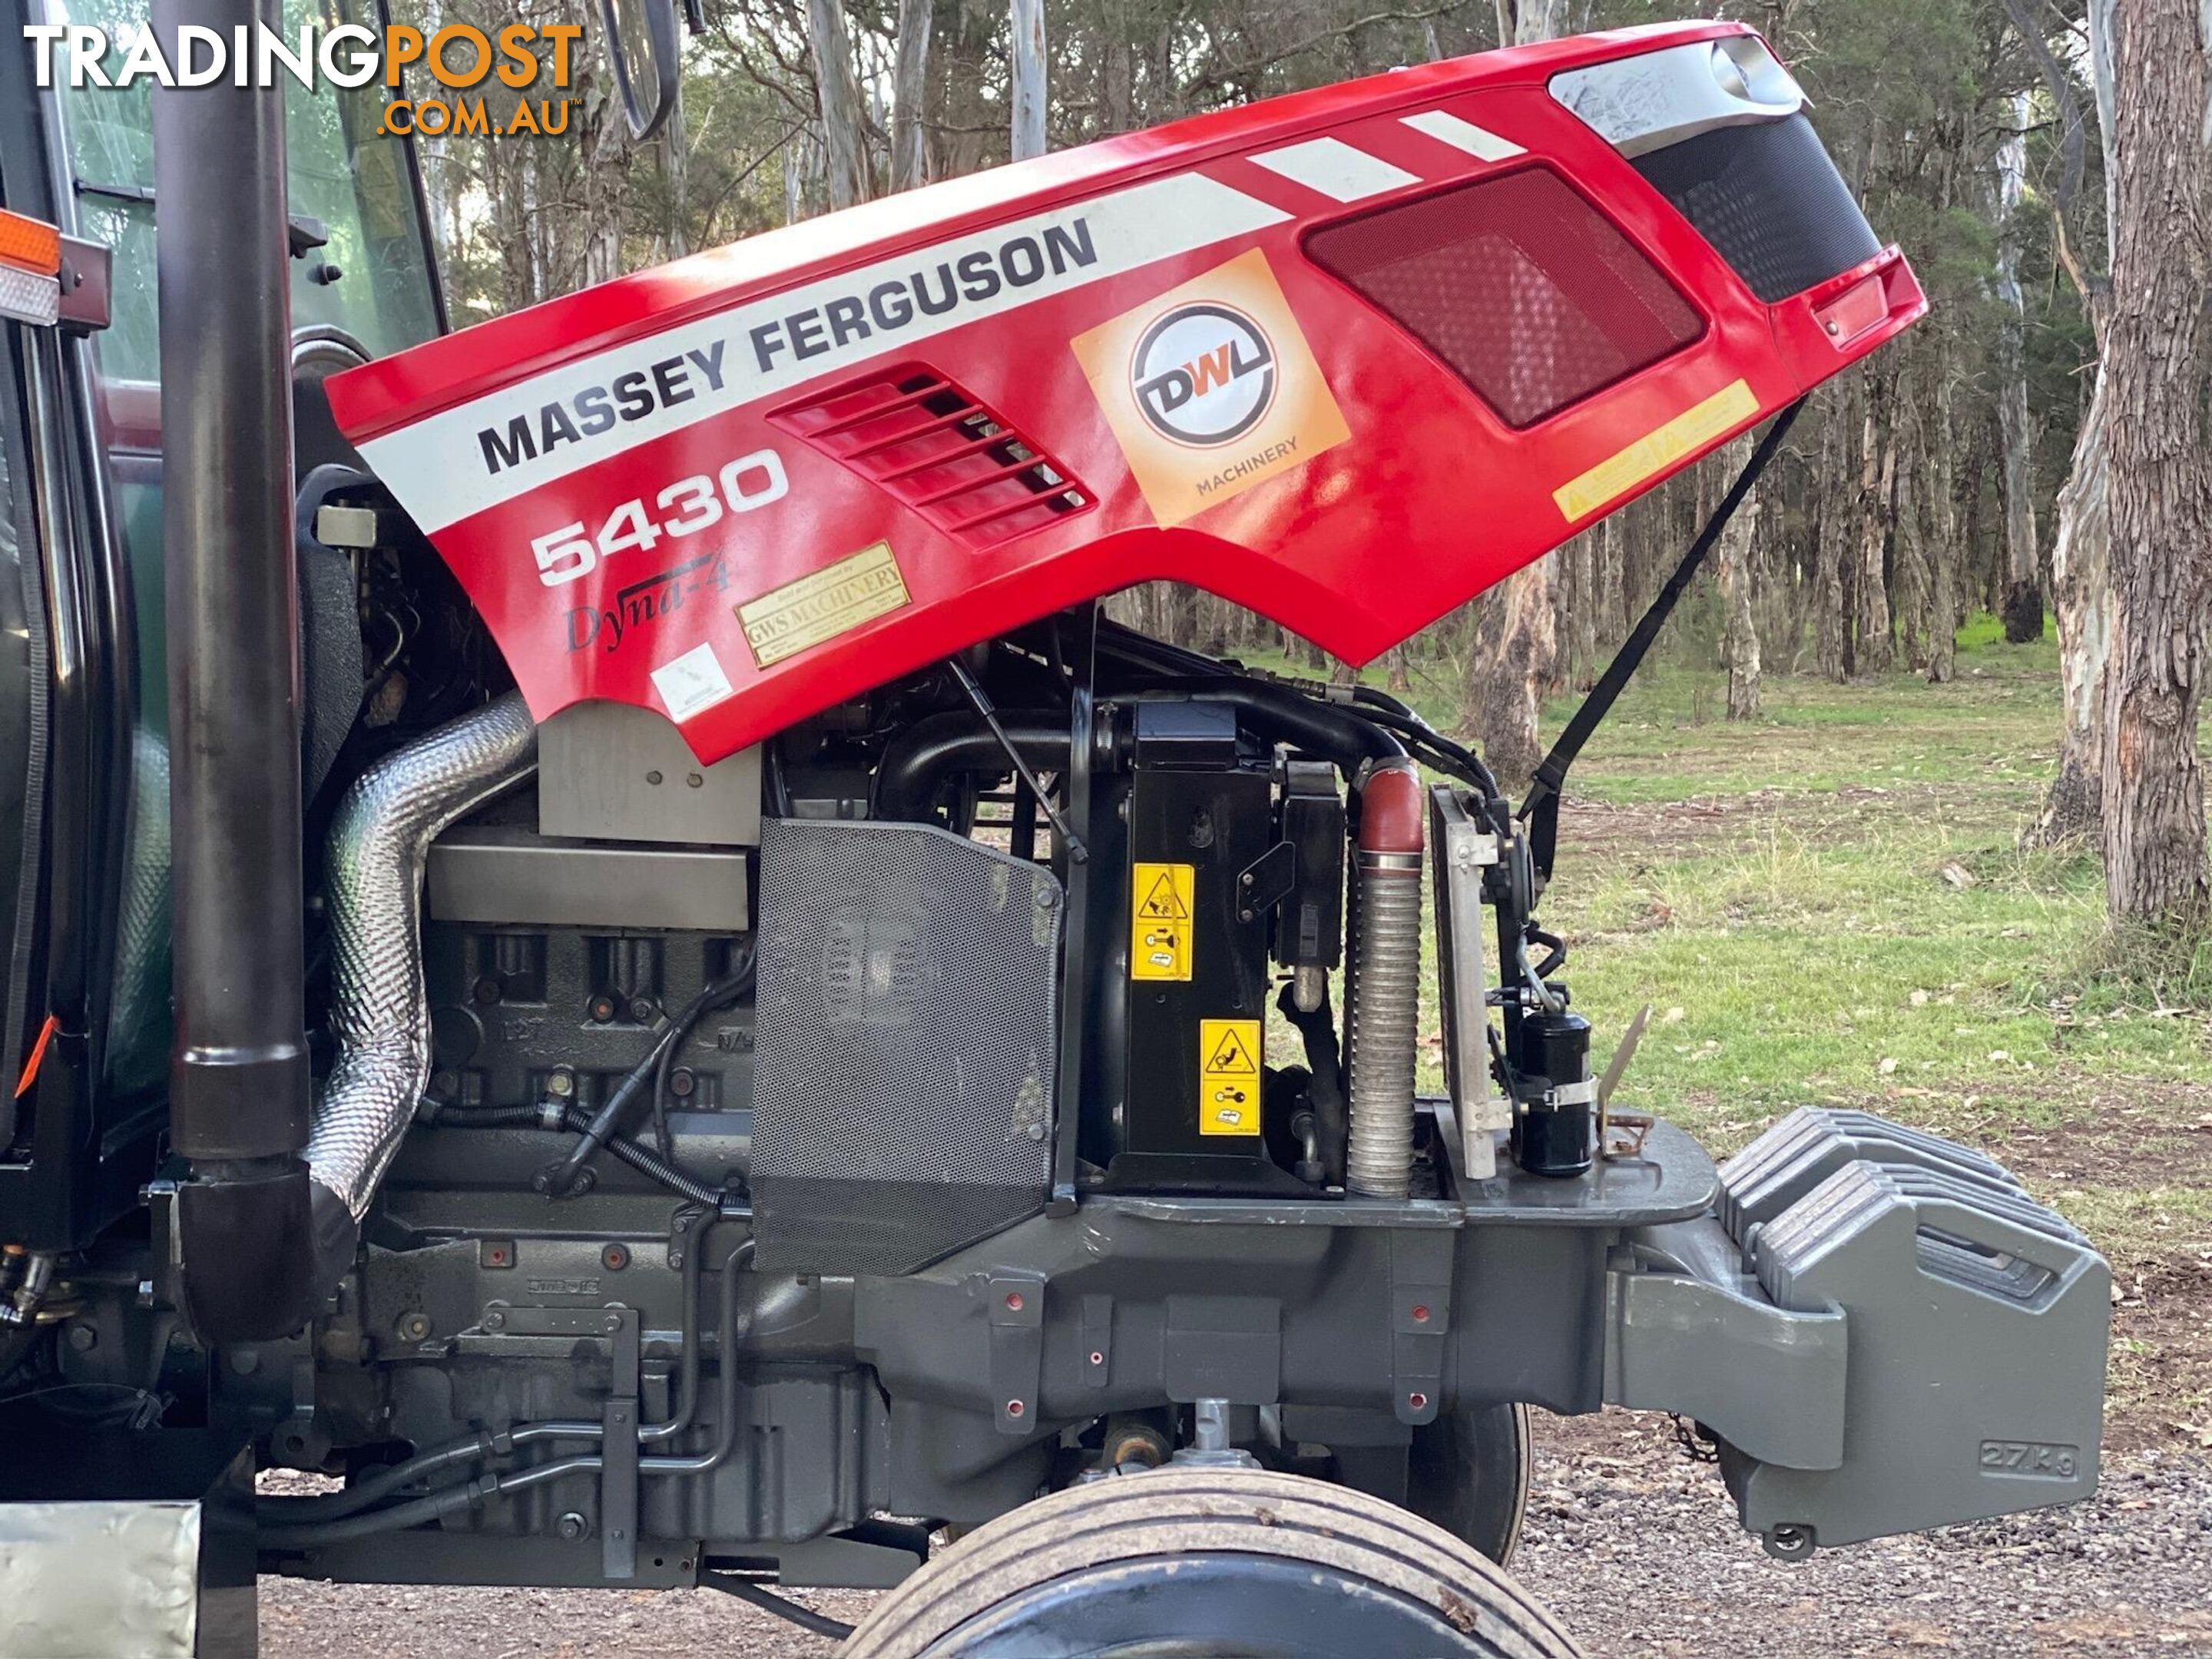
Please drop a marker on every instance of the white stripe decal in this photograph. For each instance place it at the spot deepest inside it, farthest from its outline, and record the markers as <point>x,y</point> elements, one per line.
<point>442,469</point>
<point>1335,169</point>
<point>1463,135</point>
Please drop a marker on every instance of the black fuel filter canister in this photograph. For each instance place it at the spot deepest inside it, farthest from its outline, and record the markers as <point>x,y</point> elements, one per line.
<point>1555,1116</point>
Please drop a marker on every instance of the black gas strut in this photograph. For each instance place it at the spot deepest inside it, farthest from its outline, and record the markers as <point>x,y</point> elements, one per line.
<point>1541,810</point>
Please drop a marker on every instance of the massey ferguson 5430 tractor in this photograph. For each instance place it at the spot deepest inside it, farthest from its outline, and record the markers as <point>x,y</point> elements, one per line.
<point>603,943</point>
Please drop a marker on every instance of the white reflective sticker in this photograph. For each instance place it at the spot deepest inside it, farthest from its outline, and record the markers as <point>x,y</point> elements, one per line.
<point>1478,142</point>
<point>692,682</point>
<point>1335,169</point>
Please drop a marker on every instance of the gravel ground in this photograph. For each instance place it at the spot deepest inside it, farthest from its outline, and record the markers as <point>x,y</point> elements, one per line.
<point>1637,1549</point>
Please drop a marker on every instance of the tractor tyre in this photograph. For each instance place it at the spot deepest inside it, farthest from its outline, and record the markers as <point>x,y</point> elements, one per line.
<point>1468,1472</point>
<point>1195,1563</point>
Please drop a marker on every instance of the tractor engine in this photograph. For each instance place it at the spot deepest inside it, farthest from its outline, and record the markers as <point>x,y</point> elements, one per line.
<point>812,1003</point>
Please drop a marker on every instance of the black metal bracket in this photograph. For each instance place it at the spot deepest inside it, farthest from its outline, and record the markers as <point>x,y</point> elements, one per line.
<point>1420,1321</point>
<point>1541,810</point>
<point>1267,882</point>
<point>622,1330</point>
<point>618,1450</point>
<point>1014,1305</point>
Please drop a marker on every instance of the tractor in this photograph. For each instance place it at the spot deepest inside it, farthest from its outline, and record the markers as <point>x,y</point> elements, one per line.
<point>616,977</point>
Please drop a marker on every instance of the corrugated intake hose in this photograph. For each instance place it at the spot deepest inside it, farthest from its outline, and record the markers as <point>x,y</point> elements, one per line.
<point>1386,984</point>
<point>373,885</point>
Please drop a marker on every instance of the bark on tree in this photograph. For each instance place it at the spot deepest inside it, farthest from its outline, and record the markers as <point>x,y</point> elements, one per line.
<point>2156,367</point>
<point>1740,639</point>
<point>1515,647</point>
<point>1877,480</point>
<point>1030,91</point>
<point>2082,589</point>
<point>844,134</point>
<point>1834,548</point>
<point>1908,572</point>
<point>2023,593</point>
<point>1943,541</point>
<point>2081,553</point>
<point>909,86</point>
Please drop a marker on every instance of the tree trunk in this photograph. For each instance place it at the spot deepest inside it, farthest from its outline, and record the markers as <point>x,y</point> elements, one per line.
<point>1739,639</point>
<point>837,86</point>
<point>1832,595</point>
<point>1912,597</point>
<point>2081,586</point>
<point>2023,595</point>
<point>2155,366</point>
<point>1515,648</point>
<point>909,86</point>
<point>1944,550</point>
<point>1399,666</point>
<point>1877,478</point>
<point>1031,90</point>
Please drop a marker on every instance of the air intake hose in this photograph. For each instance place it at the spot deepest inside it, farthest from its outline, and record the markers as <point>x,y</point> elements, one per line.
<point>373,864</point>
<point>1386,980</point>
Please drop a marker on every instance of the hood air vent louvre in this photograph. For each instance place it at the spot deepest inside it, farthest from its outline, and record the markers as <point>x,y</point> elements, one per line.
<point>941,450</point>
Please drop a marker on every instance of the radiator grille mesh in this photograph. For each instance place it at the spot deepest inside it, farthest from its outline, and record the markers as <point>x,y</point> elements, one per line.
<point>1526,290</point>
<point>1770,199</point>
<point>904,1062</point>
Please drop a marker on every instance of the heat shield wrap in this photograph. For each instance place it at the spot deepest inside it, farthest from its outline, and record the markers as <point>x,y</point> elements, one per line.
<point>373,885</point>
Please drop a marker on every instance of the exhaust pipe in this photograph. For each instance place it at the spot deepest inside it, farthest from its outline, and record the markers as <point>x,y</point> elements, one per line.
<point>378,846</point>
<point>237,1077</point>
<point>1386,980</point>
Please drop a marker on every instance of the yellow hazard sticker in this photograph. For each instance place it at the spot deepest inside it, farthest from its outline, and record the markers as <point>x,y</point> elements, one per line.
<point>1160,919</point>
<point>1228,1077</point>
<point>1655,451</point>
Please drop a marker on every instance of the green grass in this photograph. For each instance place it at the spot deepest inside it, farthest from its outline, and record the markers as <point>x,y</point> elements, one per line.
<point>1830,904</point>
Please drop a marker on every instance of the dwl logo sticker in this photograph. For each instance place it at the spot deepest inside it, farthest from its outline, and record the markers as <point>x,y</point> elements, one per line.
<point>1211,388</point>
<point>1204,374</point>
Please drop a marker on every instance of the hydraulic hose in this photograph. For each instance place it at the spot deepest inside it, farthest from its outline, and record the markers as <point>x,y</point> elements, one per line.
<point>916,761</point>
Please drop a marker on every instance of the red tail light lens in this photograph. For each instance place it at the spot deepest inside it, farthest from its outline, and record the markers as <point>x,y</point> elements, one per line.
<point>1518,284</point>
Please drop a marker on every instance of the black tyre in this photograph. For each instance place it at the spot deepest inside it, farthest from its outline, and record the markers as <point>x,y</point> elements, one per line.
<point>1468,1472</point>
<point>1210,1563</point>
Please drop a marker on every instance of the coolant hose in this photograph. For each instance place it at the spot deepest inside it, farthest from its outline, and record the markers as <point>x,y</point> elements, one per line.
<point>379,847</point>
<point>1386,981</point>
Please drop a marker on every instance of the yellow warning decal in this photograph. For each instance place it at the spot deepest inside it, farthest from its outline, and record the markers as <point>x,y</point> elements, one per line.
<point>1228,1077</point>
<point>1160,921</point>
<point>1656,451</point>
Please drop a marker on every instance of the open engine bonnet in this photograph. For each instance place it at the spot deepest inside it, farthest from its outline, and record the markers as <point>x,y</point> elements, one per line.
<point>1347,358</point>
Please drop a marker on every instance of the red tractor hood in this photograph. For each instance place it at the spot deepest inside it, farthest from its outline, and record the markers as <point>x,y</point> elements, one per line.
<point>1347,358</point>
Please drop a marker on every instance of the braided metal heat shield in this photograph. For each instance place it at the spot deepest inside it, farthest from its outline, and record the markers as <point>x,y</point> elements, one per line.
<point>372,885</point>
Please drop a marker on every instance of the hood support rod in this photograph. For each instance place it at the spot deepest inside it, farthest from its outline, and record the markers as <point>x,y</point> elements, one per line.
<point>1541,810</point>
